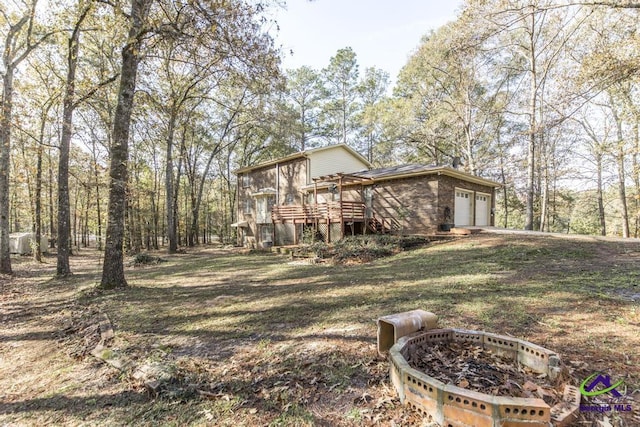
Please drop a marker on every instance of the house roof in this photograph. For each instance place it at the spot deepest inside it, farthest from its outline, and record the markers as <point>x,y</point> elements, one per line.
<point>394,170</point>
<point>406,171</point>
<point>302,154</point>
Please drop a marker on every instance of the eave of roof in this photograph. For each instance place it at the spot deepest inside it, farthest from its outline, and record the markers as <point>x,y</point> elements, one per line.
<point>387,174</point>
<point>301,154</point>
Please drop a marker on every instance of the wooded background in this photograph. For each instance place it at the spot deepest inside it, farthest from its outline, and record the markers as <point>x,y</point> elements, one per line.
<point>541,96</point>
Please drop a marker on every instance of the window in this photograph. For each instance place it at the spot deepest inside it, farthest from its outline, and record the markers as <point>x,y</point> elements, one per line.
<point>246,181</point>
<point>248,206</point>
<point>266,233</point>
<point>289,199</point>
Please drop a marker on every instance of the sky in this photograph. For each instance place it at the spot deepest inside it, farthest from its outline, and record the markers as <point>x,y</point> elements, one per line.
<point>382,33</point>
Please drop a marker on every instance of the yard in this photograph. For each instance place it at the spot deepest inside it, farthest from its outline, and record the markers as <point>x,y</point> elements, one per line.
<point>254,339</point>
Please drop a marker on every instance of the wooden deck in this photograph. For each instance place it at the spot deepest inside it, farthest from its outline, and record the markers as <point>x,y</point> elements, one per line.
<point>323,212</point>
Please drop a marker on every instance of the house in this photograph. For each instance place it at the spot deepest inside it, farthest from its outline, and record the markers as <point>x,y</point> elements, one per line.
<point>331,192</point>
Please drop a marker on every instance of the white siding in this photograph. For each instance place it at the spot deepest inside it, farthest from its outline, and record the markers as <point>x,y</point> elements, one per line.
<point>334,160</point>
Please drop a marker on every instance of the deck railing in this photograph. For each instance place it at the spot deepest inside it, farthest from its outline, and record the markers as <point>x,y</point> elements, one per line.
<point>332,211</point>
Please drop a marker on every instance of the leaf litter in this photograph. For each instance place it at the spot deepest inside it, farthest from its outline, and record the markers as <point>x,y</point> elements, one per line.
<point>471,367</point>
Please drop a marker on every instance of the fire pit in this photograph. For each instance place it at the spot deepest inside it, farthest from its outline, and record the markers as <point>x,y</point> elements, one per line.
<point>453,406</point>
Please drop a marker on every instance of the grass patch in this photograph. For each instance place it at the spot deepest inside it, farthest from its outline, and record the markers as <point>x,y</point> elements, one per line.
<point>259,341</point>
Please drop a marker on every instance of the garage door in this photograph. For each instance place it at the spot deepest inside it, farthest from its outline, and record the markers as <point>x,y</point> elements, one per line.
<point>462,214</point>
<point>482,209</point>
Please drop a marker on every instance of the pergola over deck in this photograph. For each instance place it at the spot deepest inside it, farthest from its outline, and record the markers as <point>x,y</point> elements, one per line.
<point>331,212</point>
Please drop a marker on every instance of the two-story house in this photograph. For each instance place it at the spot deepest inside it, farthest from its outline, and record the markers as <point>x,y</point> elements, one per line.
<point>332,192</point>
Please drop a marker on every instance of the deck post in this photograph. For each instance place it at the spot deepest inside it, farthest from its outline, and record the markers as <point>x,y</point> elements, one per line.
<point>275,238</point>
<point>328,238</point>
<point>341,207</point>
<point>315,192</point>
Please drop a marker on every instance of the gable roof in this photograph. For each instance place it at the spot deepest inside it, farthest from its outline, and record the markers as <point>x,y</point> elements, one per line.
<point>393,171</point>
<point>406,171</point>
<point>370,176</point>
<point>304,154</point>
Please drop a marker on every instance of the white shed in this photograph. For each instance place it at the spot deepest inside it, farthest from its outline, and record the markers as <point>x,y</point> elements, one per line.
<point>20,243</point>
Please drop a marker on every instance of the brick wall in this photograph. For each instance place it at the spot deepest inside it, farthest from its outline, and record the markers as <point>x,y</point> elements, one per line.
<point>418,203</point>
<point>412,202</point>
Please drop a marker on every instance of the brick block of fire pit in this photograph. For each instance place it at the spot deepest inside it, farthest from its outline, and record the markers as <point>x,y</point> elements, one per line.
<point>425,393</point>
<point>501,345</point>
<point>530,412</point>
<point>459,417</point>
<point>399,367</point>
<point>536,357</point>
<point>564,413</point>
<point>473,337</point>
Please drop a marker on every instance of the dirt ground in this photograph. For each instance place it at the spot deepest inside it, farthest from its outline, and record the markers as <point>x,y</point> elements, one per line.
<point>255,339</point>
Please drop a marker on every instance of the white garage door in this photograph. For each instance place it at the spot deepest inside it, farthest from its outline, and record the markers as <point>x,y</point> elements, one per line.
<point>462,214</point>
<point>482,209</point>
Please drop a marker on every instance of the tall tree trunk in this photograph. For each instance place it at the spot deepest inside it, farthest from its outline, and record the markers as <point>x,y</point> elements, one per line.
<point>113,266</point>
<point>601,217</point>
<point>14,51</point>
<point>531,146</point>
<point>156,220</point>
<point>52,224</point>
<point>468,134</point>
<point>27,177</point>
<point>174,202</point>
<point>85,225</point>
<point>64,216</point>
<point>98,209</point>
<point>622,193</point>
<point>5,164</point>
<point>634,115</point>
<point>37,250</point>
<point>169,184</point>
<point>636,176</point>
<point>303,134</point>
<point>75,221</point>
<point>96,177</point>
<point>192,239</point>
<point>155,204</point>
<point>620,154</point>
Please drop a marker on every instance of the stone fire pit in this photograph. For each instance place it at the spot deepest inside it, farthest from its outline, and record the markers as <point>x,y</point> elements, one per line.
<point>454,406</point>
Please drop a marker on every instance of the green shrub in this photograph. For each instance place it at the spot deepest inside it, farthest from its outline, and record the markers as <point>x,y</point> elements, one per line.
<point>366,248</point>
<point>321,249</point>
<point>144,258</point>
